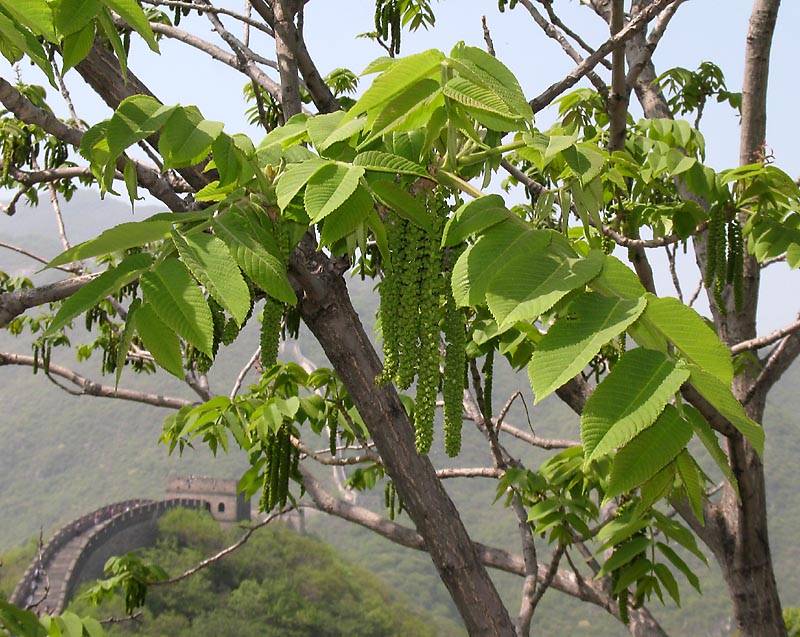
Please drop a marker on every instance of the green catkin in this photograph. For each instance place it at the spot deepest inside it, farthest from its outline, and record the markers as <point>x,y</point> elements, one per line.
<point>396,30</point>
<point>392,495</point>
<point>263,505</point>
<point>488,381</point>
<point>390,306</point>
<point>386,494</point>
<point>453,383</point>
<point>410,271</point>
<point>721,270</point>
<point>714,225</point>
<point>738,273</point>
<point>622,600</point>
<point>333,430</point>
<point>274,474</point>
<point>285,464</point>
<point>430,268</point>
<point>35,360</point>
<point>270,332</point>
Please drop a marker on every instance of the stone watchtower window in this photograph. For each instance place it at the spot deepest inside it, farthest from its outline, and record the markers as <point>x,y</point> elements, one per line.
<point>221,507</point>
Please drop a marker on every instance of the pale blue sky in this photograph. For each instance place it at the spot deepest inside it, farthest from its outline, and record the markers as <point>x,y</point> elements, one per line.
<point>701,30</point>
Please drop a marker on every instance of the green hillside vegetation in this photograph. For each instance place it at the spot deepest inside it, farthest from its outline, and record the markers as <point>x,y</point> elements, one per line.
<point>279,584</point>
<point>64,455</point>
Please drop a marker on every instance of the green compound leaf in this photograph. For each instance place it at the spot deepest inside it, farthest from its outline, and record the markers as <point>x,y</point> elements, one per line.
<point>396,79</point>
<point>98,289</point>
<point>721,397</point>
<point>127,235</point>
<point>479,263</point>
<point>693,482</point>
<point>135,119</point>
<point>160,340</point>
<point>473,217</point>
<point>295,177</point>
<point>687,330</point>
<point>572,342</point>
<point>650,451</point>
<point>709,439</point>
<point>347,217</point>
<point>186,137</point>
<point>126,339</point>
<point>257,253</point>
<point>175,297</point>
<point>389,163</point>
<point>211,263</point>
<point>531,284</point>
<point>329,188</point>
<point>487,71</point>
<point>403,203</point>
<point>628,400</point>
<point>465,92</point>
<point>625,554</point>
<point>132,13</point>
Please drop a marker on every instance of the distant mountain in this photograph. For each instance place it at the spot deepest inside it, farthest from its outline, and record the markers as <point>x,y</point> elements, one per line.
<point>62,455</point>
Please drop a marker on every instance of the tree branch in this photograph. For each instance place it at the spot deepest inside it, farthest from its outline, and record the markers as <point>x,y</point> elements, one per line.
<point>72,269</point>
<point>639,22</point>
<point>226,551</point>
<point>552,32</point>
<point>88,387</point>
<point>12,304</point>
<point>769,339</point>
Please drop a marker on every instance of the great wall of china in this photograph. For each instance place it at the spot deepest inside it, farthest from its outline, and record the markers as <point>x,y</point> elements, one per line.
<point>79,550</point>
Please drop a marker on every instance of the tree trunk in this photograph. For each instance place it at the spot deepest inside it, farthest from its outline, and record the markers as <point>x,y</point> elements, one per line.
<point>326,310</point>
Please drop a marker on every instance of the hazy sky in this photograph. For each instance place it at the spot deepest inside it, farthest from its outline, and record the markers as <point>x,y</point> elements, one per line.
<point>701,30</point>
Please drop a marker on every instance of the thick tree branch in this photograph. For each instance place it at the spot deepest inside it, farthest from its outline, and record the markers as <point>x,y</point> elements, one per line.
<point>285,41</point>
<point>88,387</point>
<point>320,92</point>
<point>25,111</point>
<point>12,304</point>
<point>756,78</point>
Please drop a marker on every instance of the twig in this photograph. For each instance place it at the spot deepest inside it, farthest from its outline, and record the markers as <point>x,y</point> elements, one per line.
<point>72,269</point>
<point>237,385</point>
<point>652,42</point>
<point>696,292</point>
<point>769,339</point>
<point>369,456</point>
<point>119,620</point>
<point>673,273</point>
<point>487,37</point>
<point>768,262</point>
<point>88,387</point>
<point>552,569</point>
<point>548,6</point>
<point>245,19</point>
<point>552,32</point>
<point>536,441</point>
<point>226,551</point>
<point>639,22</point>
<point>476,472</point>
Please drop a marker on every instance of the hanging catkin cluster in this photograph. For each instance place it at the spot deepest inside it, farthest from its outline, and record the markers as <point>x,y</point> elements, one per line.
<point>725,257</point>
<point>415,300</point>
<point>388,16</point>
<point>281,463</point>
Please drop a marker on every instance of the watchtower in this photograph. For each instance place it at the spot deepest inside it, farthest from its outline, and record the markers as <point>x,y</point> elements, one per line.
<point>224,501</point>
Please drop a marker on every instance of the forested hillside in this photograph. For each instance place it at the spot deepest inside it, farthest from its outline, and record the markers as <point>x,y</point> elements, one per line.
<point>87,452</point>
